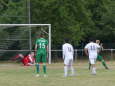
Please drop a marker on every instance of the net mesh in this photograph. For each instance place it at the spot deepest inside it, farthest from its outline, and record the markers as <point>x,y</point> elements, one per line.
<point>19,39</point>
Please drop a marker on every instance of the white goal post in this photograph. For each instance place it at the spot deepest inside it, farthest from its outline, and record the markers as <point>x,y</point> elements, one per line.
<point>32,25</point>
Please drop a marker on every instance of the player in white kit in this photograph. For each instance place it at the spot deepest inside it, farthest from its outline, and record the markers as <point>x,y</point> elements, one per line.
<point>92,50</point>
<point>68,52</point>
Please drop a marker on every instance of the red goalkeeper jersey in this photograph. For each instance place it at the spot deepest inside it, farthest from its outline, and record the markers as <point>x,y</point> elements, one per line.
<point>28,59</point>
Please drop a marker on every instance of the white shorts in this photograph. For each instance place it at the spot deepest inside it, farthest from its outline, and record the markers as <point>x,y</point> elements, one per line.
<point>92,58</point>
<point>68,61</point>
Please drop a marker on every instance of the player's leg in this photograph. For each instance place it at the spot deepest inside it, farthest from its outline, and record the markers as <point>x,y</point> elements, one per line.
<point>89,65</point>
<point>37,69</point>
<point>44,63</point>
<point>37,63</point>
<point>100,58</point>
<point>104,64</point>
<point>93,68</point>
<point>92,60</point>
<point>71,67</point>
<point>66,62</point>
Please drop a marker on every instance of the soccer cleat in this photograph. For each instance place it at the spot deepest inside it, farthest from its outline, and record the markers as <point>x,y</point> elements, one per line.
<point>65,75</point>
<point>107,68</point>
<point>72,74</point>
<point>45,75</point>
<point>37,75</point>
<point>93,73</point>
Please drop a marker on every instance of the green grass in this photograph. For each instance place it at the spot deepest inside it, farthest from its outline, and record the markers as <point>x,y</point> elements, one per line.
<point>12,74</point>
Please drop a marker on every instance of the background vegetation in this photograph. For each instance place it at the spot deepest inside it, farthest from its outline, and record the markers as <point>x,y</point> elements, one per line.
<point>80,18</point>
<point>74,19</point>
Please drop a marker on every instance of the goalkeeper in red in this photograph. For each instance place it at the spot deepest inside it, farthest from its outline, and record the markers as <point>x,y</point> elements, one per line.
<point>41,53</point>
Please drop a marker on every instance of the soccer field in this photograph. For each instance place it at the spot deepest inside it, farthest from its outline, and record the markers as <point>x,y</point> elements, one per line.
<point>12,74</point>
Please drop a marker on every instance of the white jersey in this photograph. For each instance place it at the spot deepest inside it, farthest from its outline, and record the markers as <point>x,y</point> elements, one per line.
<point>67,51</point>
<point>92,48</point>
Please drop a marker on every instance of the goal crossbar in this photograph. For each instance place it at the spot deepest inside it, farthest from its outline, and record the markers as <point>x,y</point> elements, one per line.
<point>30,25</point>
<point>25,24</point>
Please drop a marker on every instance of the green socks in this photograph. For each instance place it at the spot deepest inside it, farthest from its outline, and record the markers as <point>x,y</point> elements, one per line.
<point>104,64</point>
<point>89,66</point>
<point>44,69</point>
<point>37,68</point>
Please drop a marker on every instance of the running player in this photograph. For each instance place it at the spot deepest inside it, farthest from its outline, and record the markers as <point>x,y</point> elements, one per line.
<point>92,50</point>
<point>41,49</point>
<point>99,57</point>
<point>68,52</point>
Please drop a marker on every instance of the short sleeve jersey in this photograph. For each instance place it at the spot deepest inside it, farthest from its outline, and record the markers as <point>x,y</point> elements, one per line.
<point>67,50</point>
<point>42,43</point>
<point>92,47</point>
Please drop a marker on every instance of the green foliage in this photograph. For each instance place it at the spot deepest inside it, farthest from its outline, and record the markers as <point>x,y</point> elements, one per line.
<point>13,11</point>
<point>73,19</point>
<point>103,19</point>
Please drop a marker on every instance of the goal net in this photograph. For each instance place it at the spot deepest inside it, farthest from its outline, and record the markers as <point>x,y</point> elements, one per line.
<point>20,38</point>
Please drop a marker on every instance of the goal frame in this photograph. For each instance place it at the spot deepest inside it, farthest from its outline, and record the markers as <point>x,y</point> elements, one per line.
<point>29,25</point>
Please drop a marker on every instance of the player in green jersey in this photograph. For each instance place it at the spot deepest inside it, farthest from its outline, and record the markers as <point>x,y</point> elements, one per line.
<point>41,49</point>
<point>99,57</point>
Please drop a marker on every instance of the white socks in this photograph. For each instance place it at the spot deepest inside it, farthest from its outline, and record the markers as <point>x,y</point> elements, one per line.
<point>72,70</point>
<point>94,70</point>
<point>66,69</point>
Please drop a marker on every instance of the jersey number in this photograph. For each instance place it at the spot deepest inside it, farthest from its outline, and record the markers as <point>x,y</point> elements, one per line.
<point>69,49</point>
<point>92,48</point>
<point>42,45</point>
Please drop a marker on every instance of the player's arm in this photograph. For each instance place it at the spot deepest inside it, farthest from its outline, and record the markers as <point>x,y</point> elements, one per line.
<point>72,50</point>
<point>63,52</point>
<point>46,46</point>
<point>47,49</point>
<point>101,45</point>
<point>86,51</point>
<point>99,49</point>
<point>35,48</point>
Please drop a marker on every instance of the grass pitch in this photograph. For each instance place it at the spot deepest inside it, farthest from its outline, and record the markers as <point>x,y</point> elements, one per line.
<point>12,74</point>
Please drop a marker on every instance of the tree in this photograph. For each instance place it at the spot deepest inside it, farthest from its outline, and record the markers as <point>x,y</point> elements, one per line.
<point>13,11</point>
<point>73,19</point>
<point>103,18</point>
<point>67,17</point>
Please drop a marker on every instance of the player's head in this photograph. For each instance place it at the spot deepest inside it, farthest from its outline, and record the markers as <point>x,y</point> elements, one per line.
<point>66,40</point>
<point>97,41</point>
<point>91,39</point>
<point>41,35</point>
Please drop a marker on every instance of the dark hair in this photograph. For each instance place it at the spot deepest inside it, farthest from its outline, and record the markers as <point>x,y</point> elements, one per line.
<point>91,39</point>
<point>66,40</point>
<point>41,35</point>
